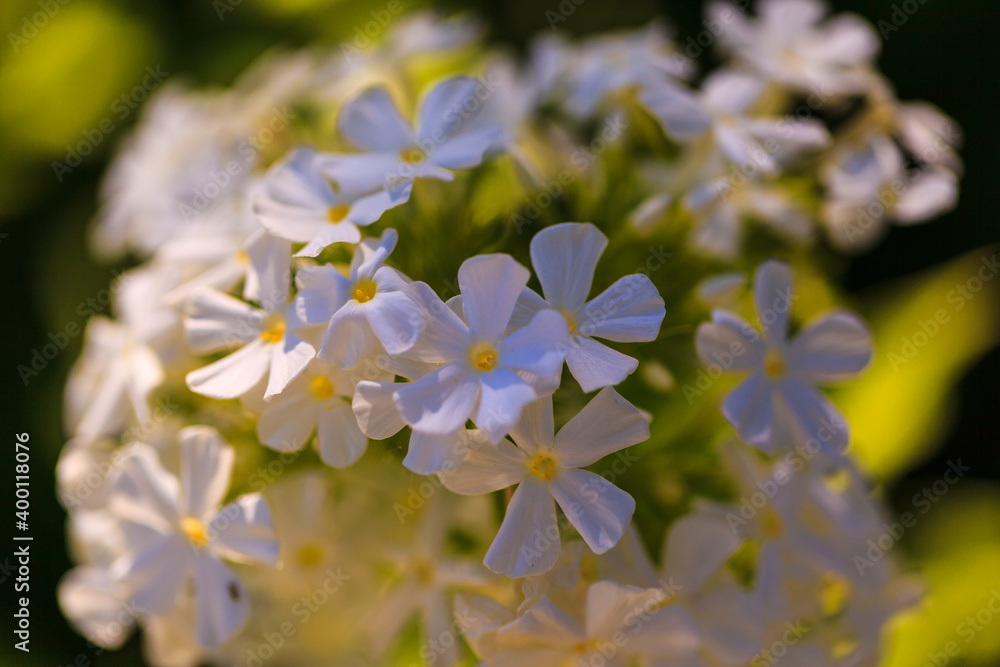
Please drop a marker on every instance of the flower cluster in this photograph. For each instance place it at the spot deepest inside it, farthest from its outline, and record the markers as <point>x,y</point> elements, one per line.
<point>335,399</point>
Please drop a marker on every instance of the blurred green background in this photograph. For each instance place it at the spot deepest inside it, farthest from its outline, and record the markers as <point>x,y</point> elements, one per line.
<point>65,78</point>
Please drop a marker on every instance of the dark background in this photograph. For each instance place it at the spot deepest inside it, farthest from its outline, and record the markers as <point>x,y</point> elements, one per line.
<point>946,52</point>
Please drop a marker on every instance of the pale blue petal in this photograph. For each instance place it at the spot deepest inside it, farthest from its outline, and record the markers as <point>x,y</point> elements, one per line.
<point>629,311</point>
<point>598,509</point>
<point>564,257</point>
<point>528,540</point>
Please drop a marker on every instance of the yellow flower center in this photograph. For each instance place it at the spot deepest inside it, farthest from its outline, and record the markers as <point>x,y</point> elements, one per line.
<point>483,356</point>
<point>195,531</point>
<point>309,555</point>
<point>274,329</point>
<point>774,364</point>
<point>337,213</point>
<point>242,257</point>
<point>411,155</point>
<point>321,387</point>
<point>570,322</point>
<point>543,466</point>
<point>364,290</point>
<point>771,524</point>
<point>423,570</point>
<point>834,594</point>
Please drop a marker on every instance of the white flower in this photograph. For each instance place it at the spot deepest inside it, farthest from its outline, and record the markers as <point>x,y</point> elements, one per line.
<point>447,136</point>
<point>605,65</point>
<point>426,574</point>
<point>487,376</point>
<point>300,203</point>
<point>371,311</point>
<point>319,400</point>
<point>180,534</point>
<point>564,257</point>
<point>779,400</point>
<point>547,470</point>
<point>217,321</point>
<point>613,625</point>
<point>787,43</point>
<point>721,111</point>
<point>868,185</point>
<point>721,209</point>
<point>379,418</point>
<point>110,384</point>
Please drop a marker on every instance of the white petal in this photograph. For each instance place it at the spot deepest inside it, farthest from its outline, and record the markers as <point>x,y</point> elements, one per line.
<point>731,91</point>
<point>536,429</point>
<point>815,415</point>
<point>269,277</point>
<point>629,311</point>
<point>287,422</point>
<point>834,348</point>
<point>678,109</point>
<point>440,402</point>
<point>222,602</point>
<point>341,232</point>
<point>372,122</point>
<point>503,396</point>
<point>749,408</point>
<point>605,425</point>
<point>444,112</point>
<point>931,193</point>
<point>233,375</point>
<point>217,321</point>
<point>528,540</point>
<point>370,208</point>
<point>490,286</point>
<point>564,257</point>
<point>486,467</point>
<point>742,149</point>
<point>595,365</point>
<point>322,291</point>
<point>538,348</point>
<point>158,572</point>
<point>428,454</point>
<point>396,319</point>
<point>349,339</point>
<point>288,359</point>
<point>772,295</point>
<point>242,531</point>
<point>729,343</point>
<point>375,409</point>
<point>446,337</point>
<point>612,606</point>
<point>341,441</point>
<point>466,150</point>
<point>145,493</point>
<point>698,545</point>
<point>598,509</point>
<point>371,254</point>
<point>88,600</point>
<point>718,231</point>
<point>206,466</point>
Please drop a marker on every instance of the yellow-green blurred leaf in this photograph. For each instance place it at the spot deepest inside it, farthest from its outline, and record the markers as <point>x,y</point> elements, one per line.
<point>927,333</point>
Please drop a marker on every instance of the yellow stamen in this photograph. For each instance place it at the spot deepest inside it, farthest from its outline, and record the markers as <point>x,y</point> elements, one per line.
<point>242,257</point>
<point>411,155</point>
<point>195,531</point>
<point>337,213</point>
<point>364,290</point>
<point>570,322</point>
<point>321,387</point>
<point>424,571</point>
<point>774,364</point>
<point>483,356</point>
<point>543,467</point>
<point>274,329</point>
<point>309,555</point>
